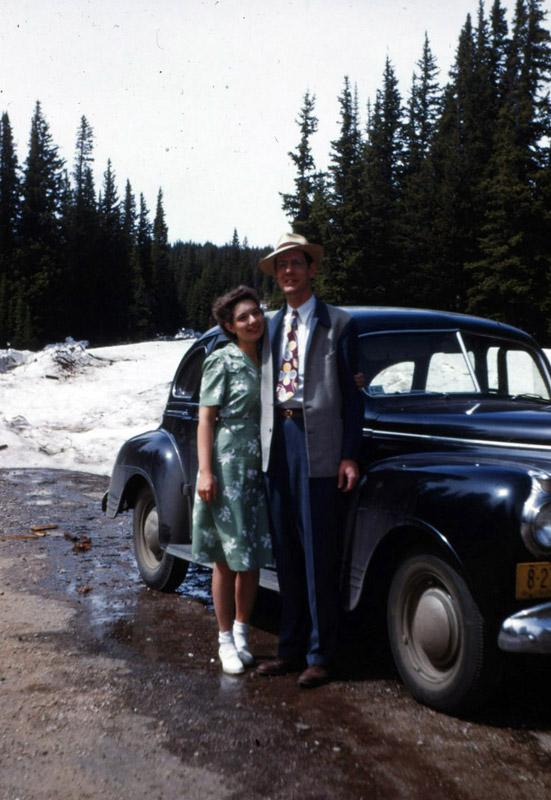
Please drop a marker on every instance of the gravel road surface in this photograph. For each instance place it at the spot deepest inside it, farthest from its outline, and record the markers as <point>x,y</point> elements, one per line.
<point>108,689</point>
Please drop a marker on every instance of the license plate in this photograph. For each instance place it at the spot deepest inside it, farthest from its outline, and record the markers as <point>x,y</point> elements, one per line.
<point>533,580</point>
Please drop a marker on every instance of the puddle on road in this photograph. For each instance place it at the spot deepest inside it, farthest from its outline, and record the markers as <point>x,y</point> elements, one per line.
<point>171,628</point>
<point>121,608</point>
<point>91,559</point>
<point>110,600</point>
<point>197,584</point>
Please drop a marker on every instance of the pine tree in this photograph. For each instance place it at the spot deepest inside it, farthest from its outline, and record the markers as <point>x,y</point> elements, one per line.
<point>114,269</point>
<point>298,206</point>
<point>141,307</point>
<point>382,190</point>
<point>139,315</point>
<point>129,217</point>
<point>164,289</point>
<point>423,111</point>
<point>9,219</point>
<point>462,148</point>
<point>499,44</point>
<point>416,210</point>
<point>338,274</point>
<point>40,315</point>
<point>83,238</point>
<point>82,174</point>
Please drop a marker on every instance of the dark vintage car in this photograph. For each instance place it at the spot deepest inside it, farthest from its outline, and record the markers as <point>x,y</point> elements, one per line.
<point>450,530</point>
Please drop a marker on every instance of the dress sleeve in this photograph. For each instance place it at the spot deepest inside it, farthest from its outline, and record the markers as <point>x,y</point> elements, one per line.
<point>213,382</point>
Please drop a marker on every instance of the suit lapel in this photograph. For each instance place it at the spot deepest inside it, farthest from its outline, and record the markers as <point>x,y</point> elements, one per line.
<point>274,330</point>
<point>320,316</point>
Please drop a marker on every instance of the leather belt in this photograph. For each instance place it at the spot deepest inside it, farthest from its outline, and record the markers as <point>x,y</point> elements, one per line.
<point>290,413</point>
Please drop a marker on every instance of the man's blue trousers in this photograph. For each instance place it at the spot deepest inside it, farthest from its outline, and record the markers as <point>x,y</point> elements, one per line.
<point>306,543</point>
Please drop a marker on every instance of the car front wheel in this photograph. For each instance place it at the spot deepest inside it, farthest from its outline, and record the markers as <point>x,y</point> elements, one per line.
<point>438,636</point>
<point>158,569</point>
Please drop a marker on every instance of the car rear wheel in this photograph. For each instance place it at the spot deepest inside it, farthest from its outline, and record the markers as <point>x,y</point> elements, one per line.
<point>158,569</point>
<point>438,636</point>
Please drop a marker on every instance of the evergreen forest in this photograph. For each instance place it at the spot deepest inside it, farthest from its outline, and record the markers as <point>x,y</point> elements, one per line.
<point>442,199</point>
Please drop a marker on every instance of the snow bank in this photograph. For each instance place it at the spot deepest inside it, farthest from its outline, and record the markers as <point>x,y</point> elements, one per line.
<point>70,407</point>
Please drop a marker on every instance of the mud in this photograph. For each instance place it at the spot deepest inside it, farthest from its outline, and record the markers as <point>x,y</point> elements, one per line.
<point>108,687</point>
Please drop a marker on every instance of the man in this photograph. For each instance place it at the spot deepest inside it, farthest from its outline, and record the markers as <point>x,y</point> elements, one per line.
<point>311,422</point>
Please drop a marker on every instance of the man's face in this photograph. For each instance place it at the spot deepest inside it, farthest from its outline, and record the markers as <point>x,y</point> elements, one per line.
<point>294,276</point>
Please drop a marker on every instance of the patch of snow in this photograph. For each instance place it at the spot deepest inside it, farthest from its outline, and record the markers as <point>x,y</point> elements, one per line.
<point>70,407</point>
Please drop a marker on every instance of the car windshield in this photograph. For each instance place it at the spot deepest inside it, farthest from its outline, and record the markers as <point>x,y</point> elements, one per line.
<point>450,362</point>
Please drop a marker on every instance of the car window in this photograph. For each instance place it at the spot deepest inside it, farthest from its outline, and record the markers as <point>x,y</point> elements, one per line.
<point>514,372</point>
<point>505,367</point>
<point>187,383</point>
<point>404,362</point>
<point>449,362</point>
<point>523,375</point>
<point>448,372</point>
<point>188,379</point>
<point>396,378</point>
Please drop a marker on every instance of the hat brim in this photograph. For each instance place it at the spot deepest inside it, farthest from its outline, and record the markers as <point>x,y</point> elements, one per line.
<point>267,264</point>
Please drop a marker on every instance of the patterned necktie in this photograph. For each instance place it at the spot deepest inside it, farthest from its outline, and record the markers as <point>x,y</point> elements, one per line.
<point>288,375</point>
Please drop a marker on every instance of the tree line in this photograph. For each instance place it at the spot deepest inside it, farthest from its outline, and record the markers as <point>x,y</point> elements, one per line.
<point>441,200</point>
<point>92,265</point>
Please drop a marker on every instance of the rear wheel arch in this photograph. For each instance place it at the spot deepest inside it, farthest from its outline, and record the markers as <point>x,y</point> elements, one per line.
<point>132,490</point>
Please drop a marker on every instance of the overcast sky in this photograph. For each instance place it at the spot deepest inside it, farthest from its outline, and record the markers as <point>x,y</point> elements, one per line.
<point>200,97</point>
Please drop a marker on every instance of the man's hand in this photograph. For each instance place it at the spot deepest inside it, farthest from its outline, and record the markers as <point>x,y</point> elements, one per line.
<point>349,474</point>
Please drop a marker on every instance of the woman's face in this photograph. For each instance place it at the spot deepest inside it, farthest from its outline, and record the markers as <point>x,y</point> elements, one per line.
<point>248,322</point>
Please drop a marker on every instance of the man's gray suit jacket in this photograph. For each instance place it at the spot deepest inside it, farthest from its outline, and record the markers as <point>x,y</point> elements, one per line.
<point>332,405</point>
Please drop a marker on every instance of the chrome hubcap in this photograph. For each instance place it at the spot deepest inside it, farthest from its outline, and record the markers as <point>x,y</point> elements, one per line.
<point>151,535</point>
<point>435,628</point>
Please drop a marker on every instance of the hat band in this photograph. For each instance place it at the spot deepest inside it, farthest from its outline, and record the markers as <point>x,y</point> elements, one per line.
<point>290,244</point>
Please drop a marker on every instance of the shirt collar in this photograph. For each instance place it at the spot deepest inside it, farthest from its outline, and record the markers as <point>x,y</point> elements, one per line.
<point>305,311</point>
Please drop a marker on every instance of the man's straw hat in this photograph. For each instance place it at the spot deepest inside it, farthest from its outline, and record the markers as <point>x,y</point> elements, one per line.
<point>290,241</point>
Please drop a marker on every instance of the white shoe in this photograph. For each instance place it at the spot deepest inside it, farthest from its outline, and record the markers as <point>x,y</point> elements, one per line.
<point>231,663</point>
<point>240,637</point>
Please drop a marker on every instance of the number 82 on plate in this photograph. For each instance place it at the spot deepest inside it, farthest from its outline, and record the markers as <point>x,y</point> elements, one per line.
<point>533,580</point>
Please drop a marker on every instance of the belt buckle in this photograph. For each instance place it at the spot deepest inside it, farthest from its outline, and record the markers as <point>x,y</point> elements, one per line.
<point>288,413</point>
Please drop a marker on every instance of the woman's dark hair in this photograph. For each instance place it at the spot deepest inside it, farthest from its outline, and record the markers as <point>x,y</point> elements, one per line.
<point>223,307</point>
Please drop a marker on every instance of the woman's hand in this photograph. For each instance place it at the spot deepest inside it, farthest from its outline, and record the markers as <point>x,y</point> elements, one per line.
<point>206,486</point>
<point>206,482</point>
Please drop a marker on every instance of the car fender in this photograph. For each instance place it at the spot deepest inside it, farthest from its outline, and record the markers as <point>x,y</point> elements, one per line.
<point>153,458</point>
<point>467,509</point>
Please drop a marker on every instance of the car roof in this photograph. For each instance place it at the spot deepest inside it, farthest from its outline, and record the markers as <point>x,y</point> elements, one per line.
<point>379,319</point>
<point>371,319</point>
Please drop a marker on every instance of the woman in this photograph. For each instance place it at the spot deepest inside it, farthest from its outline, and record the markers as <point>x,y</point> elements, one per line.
<point>230,517</point>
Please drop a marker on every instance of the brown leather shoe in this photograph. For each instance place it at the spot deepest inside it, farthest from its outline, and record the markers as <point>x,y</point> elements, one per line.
<point>313,675</point>
<point>279,666</point>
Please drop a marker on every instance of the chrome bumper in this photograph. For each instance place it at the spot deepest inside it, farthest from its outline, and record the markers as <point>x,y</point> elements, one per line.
<point>528,631</point>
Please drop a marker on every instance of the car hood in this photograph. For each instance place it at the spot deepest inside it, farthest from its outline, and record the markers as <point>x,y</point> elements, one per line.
<point>478,419</point>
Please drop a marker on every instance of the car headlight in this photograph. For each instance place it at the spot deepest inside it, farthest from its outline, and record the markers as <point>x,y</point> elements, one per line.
<point>536,516</point>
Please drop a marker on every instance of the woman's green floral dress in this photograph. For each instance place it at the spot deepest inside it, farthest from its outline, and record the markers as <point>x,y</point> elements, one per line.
<point>235,527</point>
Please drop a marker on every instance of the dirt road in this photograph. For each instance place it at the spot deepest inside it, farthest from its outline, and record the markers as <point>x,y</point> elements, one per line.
<point>109,689</point>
